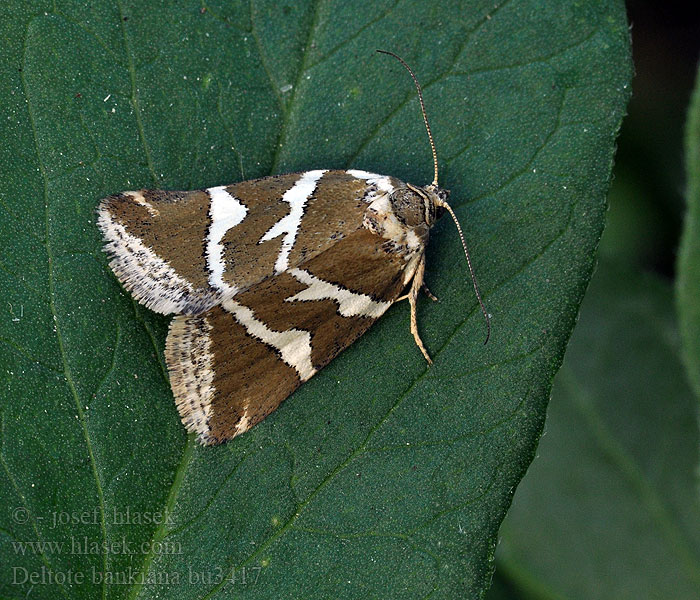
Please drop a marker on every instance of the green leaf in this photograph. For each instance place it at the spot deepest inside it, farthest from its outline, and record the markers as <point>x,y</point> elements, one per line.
<point>502,589</point>
<point>380,477</point>
<point>609,508</point>
<point>688,288</point>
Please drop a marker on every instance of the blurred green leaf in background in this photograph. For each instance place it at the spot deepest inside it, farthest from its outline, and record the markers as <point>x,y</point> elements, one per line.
<point>688,292</point>
<point>381,477</point>
<point>609,509</point>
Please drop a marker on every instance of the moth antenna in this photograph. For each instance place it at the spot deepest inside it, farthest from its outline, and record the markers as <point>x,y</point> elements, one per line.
<point>442,202</point>
<point>471,270</point>
<point>422,109</point>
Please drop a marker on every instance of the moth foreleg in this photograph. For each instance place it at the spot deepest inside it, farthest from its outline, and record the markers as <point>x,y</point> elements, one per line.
<point>416,285</point>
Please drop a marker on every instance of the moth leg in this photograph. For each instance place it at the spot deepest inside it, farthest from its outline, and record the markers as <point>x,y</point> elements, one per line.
<point>416,285</point>
<point>428,293</point>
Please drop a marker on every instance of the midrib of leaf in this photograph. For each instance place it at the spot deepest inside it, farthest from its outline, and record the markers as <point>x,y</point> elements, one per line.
<point>634,475</point>
<point>186,458</point>
<point>52,303</point>
<point>160,532</point>
<point>154,342</point>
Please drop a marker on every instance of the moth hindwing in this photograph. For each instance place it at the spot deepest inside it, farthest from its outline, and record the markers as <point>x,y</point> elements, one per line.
<point>269,279</point>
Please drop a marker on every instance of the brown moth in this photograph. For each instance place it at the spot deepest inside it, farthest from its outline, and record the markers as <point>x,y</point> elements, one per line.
<point>269,279</point>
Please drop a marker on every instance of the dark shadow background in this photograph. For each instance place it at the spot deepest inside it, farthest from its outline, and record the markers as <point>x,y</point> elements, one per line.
<point>647,195</point>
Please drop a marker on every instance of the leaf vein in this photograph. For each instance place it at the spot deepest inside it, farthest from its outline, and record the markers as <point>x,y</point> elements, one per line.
<point>52,301</point>
<point>134,99</point>
<point>13,481</point>
<point>355,35</point>
<point>287,116</point>
<point>161,531</point>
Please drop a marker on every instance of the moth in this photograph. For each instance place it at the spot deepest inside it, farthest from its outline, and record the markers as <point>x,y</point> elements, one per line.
<point>270,279</point>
